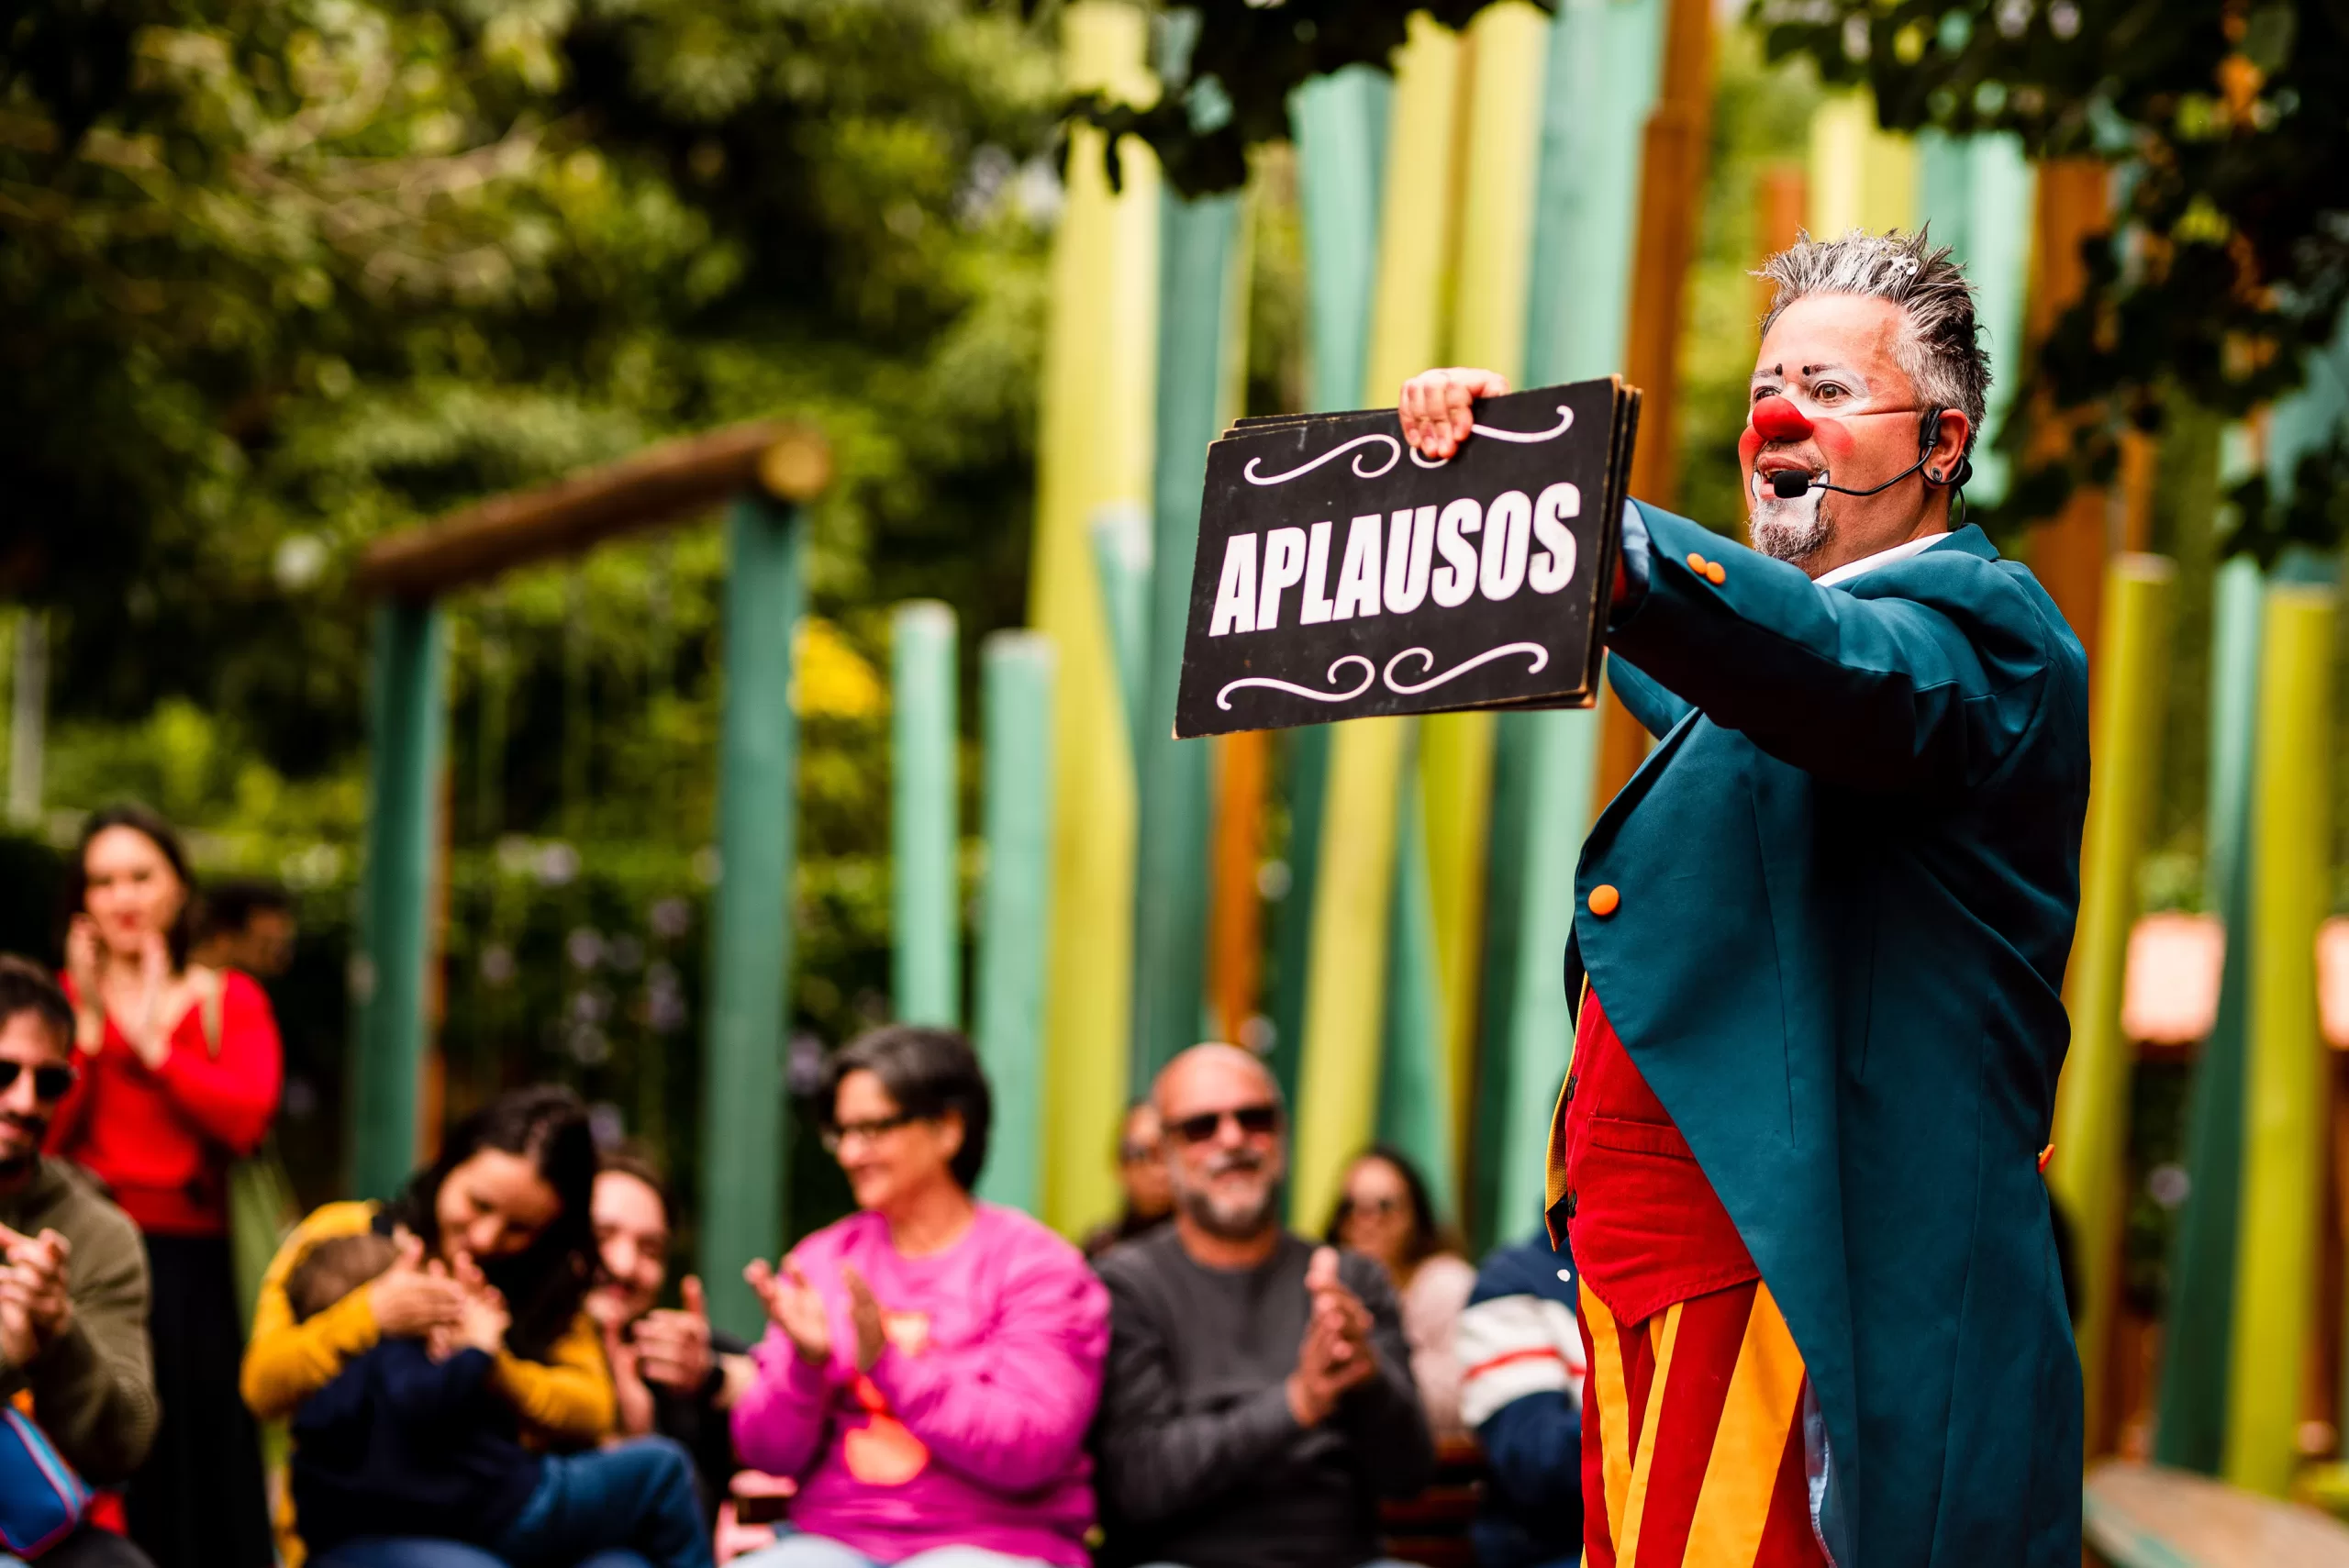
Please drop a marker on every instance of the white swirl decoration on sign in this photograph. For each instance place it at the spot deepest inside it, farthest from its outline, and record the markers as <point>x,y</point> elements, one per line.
<point>1427,662</point>
<point>1522,438</point>
<point>1369,672</point>
<point>1394,456</point>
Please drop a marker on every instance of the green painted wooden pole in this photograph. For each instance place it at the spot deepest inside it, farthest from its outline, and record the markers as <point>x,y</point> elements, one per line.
<point>1561,752</point>
<point>1341,122</point>
<point>1414,1090</point>
<point>924,846</point>
<point>2190,1421</point>
<point>1196,303</point>
<point>1016,670</point>
<point>746,1017</point>
<point>1976,192</point>
<point>1121,563</point>
<point>2284,1118</point>
<point>2089,1168</point>
<point>405,718</point>
<point>1604,59</point>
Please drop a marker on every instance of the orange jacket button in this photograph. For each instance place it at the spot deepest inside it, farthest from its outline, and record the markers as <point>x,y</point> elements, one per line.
<point>1604,899</point>
<point>1716,573</point>
<point>1696,563</point>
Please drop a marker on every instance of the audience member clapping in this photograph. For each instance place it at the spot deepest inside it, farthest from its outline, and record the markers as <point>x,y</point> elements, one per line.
<point>180,1067</point>
<point>1520,1347</point>
<point>933,1361</point>
<point>73,1284</point>
<point>506,1205</point>
<point>415,1428</point>
<point>674,1374</point>
<point>1383,1212</point>
<point>1259,1399</point>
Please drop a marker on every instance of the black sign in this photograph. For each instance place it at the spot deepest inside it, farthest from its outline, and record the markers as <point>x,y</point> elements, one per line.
<point>1341,574</point>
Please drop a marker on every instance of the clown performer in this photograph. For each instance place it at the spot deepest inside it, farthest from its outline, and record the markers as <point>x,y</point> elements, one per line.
<point>1818,943</point>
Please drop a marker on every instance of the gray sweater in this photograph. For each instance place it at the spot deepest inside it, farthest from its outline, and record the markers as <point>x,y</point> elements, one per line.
<point>94,1389</point>
<point>1200,1460</point>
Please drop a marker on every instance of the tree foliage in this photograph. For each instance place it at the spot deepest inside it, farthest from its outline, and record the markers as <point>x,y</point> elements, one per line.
<point>297,272</point>
<point>2228,125</point>
<point>280,277</point>
<point>1231,66</point>
<point>2227,120</point>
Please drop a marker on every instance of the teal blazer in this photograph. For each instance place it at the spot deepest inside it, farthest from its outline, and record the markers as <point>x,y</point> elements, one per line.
<point>1848,875</point>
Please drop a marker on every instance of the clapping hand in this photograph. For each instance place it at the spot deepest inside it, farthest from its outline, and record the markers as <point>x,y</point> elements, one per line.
<point>794,1306</point>
<point>84,966</point>
<point>864,1311</point>
<point>34,1305</point>
<point>1336,1354</point>
<point>672,1347</point>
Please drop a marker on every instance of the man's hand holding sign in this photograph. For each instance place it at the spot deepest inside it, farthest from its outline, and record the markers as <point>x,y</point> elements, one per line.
<point>1818,941</point>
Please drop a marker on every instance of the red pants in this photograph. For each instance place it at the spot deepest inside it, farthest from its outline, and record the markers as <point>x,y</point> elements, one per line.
<point>1692,1445</point>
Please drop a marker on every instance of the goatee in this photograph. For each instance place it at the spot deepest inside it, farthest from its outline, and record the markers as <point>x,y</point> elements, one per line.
<point>1789,530</point>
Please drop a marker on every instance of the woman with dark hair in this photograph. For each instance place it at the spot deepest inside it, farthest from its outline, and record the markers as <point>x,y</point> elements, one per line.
<point>180,1069</point>
<point>506,1208</point>
<point>1383,1210</point>
<point>933,1361</point>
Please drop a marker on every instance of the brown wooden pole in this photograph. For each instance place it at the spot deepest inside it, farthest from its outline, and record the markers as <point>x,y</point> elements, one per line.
<point>1672,183</point>
<point>1235,910</point>
<point>659,484</point>
<point>2067,554</point>
<point>1781,198</point>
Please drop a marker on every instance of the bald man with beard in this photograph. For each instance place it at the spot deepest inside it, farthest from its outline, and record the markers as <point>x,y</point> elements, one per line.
<point>1258,1400</point>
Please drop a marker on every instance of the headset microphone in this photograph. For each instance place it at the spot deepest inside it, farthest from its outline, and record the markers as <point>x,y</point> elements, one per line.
<point>1793,483</point>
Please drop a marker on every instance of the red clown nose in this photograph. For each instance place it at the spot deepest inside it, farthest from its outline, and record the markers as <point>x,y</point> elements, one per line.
<point>1775,419</point>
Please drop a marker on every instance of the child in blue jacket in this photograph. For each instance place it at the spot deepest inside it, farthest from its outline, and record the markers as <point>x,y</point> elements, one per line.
<point>410,1439</point>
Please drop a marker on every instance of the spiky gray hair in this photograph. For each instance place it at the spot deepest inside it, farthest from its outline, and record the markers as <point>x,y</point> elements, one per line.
<point>1939,352</point>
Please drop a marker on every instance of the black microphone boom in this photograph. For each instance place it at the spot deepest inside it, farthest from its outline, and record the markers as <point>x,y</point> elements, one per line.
<point>1793,483</point>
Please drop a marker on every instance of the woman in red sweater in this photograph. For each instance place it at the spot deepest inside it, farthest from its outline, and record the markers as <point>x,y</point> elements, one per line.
<point>180,1069</point>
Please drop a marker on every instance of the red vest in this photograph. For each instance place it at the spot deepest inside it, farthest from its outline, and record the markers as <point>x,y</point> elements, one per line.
<point>1646,1227</point>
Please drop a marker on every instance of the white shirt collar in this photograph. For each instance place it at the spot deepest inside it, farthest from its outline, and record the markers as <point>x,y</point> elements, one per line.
<point>1867,563</point>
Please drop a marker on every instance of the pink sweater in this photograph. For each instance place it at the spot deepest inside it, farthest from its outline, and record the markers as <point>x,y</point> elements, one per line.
<point>970,1429</point>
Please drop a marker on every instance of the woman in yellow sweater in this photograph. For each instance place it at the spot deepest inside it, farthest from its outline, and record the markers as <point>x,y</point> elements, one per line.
<point>508,1200</point>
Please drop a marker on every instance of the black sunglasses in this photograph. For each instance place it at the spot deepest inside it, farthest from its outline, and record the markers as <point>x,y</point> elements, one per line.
<point>1256,1121</point>
<point>49,1083</point>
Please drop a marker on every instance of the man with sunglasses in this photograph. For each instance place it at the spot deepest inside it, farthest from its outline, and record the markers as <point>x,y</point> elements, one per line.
<point>1258,1400</point>
<point>1818,949</point>
<point>73,1283</point>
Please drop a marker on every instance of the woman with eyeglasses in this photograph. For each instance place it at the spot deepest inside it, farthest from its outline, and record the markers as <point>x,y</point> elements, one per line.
<point>932,1362</point>
<point>1383,1210</point>
<point>180,1068</point>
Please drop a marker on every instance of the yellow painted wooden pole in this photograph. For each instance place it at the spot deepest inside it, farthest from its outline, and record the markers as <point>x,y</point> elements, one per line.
<point>1095,450</point>
<point>2284,1099</point>
<point>1862,176</point>
<point>2091,1129</point>
<point>1502,71</point>
<point>1339,1075</point>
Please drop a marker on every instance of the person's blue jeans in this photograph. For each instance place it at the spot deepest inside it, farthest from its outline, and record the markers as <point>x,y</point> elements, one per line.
<point>800,1550</point>
<point>638,1493</point>
<point>417,1552</point>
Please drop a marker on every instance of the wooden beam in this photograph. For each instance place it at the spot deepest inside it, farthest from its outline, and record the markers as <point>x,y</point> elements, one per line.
<point>660,484</point>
